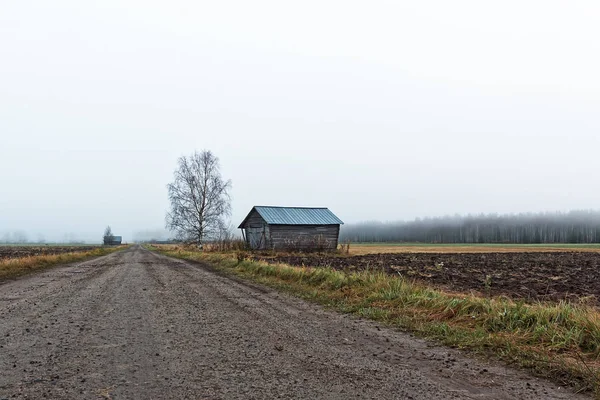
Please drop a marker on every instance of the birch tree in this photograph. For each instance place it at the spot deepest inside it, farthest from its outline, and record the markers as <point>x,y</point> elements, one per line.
<point>199,197</point>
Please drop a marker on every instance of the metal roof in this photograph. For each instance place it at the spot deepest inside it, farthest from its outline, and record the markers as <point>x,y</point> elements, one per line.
<point>295,216</point>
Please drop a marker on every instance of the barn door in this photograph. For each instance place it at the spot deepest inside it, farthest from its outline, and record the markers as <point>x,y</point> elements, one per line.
<point>256,237</point>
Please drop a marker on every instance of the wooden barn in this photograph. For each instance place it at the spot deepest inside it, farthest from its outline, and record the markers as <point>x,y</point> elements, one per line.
<point>300,228</point>
<point>113,241</point>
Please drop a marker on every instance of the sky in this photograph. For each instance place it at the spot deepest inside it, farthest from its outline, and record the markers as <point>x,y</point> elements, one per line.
<point>379,110</point>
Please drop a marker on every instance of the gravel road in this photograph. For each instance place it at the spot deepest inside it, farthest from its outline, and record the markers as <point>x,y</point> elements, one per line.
<point>137,325</point>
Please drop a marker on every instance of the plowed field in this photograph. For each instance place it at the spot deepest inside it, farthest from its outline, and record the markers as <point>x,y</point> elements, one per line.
<point>525,275</point>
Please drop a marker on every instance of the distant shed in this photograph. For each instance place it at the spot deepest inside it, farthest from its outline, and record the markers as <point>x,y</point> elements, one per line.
<point>114,241</point>
<point>302,228</point>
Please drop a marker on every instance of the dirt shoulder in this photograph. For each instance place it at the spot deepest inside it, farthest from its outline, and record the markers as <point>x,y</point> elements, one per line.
<point>135,324</point>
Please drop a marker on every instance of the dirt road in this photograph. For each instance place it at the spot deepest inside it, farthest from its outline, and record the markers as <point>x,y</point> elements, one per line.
<point>136,325</point>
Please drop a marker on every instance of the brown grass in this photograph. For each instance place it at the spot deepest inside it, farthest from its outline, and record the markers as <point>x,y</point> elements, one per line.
<point>14,267</point>
<point>358,249</point>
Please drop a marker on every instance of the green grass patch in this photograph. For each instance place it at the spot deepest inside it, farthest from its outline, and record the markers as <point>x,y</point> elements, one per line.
<point>558,340</point>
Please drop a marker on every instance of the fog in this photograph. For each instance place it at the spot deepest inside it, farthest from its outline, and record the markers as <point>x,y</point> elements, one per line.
<point>377,110</point>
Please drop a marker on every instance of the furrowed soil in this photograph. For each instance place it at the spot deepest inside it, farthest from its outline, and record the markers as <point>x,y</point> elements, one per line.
<point>7,252</point>
<point>522,275</point>
<point>137,325</point>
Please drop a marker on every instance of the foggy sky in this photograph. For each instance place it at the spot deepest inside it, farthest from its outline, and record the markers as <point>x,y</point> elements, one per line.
<point>377,110</point>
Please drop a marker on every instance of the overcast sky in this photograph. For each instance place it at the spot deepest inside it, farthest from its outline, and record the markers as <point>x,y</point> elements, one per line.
<point>380,110</point>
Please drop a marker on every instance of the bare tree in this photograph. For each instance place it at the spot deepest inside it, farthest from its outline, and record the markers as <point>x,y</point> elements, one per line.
<point>20,237</point>
<point>199,198</point>
<point>108,235</point>
<point>5,238</point>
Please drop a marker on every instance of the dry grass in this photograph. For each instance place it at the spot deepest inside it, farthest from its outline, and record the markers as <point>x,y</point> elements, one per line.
<point>356,249</point>
<point>14,267</point>
<point>557,340</point>
<point>380,248</point>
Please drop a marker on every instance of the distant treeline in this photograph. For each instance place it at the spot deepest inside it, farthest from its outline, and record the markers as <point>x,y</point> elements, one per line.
<point>558,227</point>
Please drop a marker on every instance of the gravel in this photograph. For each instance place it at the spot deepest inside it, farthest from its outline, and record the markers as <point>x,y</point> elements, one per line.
<point>137,325</point>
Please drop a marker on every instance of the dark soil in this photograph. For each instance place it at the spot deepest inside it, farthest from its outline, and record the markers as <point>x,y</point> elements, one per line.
<point>531,276</point>
<point>26,251</point>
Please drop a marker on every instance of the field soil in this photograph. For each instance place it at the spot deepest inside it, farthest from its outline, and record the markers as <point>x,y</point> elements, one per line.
<point>137,325</point>
<point>7,252</point>
<point>522,275</point>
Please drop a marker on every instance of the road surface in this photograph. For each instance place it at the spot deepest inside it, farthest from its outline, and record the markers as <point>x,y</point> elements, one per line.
<point>137,325</point>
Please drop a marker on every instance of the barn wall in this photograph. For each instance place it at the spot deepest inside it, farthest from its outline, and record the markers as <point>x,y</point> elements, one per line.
<point>256,221</point>
<point>304,236</point>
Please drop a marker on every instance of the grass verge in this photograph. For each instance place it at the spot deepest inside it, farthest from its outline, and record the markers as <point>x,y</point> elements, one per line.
<point>556,340</point>
<point>14,267</point>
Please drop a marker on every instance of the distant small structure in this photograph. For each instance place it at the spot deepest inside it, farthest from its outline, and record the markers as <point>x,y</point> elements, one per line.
<point>291,228</point>
<point>113,240</point>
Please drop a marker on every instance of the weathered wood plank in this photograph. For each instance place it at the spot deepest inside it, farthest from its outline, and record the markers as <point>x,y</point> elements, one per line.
<point>304,236</point>
<point>260,235</point>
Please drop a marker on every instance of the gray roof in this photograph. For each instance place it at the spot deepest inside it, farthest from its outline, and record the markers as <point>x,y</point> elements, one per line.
<point>117,238</point>
<point>295,216</point>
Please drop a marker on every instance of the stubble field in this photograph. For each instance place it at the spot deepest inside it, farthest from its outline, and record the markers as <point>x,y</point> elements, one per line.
<point>11,252</point>
<point>379,248</point>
